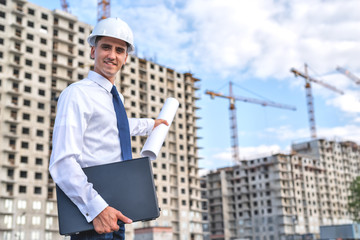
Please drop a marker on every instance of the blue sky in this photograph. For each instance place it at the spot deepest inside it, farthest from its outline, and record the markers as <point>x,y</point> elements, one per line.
<point>253,44</point>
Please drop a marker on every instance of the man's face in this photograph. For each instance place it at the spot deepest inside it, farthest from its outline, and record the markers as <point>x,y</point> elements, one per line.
<point>110,55</point>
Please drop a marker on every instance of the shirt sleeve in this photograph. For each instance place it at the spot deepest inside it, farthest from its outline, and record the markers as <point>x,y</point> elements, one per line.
<point>141,126</point>
<point>72,117</point>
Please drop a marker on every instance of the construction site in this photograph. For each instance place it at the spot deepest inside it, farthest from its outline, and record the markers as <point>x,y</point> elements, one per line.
<point>279,196</point>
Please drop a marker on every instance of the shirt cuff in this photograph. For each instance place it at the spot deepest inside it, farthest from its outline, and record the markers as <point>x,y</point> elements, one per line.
<point>151,124</point>
<point>94,208</point>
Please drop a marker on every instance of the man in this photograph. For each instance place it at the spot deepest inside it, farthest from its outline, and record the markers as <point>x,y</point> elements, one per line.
<point>86,131</point>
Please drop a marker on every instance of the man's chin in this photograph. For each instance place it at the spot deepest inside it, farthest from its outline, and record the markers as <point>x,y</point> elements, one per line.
<point>108,75</point>
<point>111,70</point>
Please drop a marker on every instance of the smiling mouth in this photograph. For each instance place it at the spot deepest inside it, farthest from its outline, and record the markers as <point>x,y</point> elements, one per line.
<point>110,63</point>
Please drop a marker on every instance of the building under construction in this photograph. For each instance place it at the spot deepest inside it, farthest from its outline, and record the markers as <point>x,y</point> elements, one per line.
<point>41,53</point>
<point>283,196</point>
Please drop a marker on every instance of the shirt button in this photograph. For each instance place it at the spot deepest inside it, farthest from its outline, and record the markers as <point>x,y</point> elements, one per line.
<point>87,214</point>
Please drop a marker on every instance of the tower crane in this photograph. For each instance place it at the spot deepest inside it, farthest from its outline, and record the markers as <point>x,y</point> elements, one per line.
<point>103,9</point>
<point>233,121</point>
<point>65,6</point>
<point>309,96</point>
<point>349,74</point>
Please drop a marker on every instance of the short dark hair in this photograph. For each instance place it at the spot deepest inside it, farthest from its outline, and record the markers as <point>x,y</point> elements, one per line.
<point>97,39</point>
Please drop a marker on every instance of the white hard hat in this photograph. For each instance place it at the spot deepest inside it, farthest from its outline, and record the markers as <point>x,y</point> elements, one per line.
<point>115,28</point>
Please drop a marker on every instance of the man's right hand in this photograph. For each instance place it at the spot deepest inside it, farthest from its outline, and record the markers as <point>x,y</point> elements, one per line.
<point>107,220</point>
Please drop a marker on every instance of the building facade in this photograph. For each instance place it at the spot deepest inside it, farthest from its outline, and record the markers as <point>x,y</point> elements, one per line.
<point>42,51</point>
<point>284,196</point>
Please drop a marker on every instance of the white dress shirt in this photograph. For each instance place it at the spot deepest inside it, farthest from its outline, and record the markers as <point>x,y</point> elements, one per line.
<point>85,134</point>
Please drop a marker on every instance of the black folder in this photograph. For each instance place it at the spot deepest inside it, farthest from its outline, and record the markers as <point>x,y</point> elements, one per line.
<point>127,186</point>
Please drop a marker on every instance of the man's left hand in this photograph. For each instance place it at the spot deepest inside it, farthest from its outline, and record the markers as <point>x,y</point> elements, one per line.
<point>160,121</point>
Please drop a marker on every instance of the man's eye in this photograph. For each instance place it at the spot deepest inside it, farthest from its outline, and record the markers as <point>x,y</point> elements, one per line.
<point>106,47</point>
<point>120,50</point>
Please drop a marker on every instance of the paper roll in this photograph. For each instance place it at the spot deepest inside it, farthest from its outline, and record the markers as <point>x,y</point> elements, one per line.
<point>156,138</point>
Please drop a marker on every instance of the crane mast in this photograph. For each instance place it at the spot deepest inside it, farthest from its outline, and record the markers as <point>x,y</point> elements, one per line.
<point>233,127</point>
<point>310,98</point>
<point>233,120</point>
<point>65,5</point>
<point>310,105</point>
<point>103,9</point>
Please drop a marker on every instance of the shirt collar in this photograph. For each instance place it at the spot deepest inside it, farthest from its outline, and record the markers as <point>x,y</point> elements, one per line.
<point>100,80</point>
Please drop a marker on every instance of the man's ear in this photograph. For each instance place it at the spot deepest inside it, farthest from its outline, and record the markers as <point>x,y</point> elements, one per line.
<point>126,57</point>
<point>122,67</point>
<point>92,52</point>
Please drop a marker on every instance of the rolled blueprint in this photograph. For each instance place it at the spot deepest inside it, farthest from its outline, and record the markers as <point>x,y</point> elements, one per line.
<point>156,138</point>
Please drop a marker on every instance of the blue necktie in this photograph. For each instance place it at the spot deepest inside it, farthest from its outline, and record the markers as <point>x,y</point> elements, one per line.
<point>122,124</point>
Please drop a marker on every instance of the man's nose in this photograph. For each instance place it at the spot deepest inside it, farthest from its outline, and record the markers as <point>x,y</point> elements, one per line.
<point>111,54</point>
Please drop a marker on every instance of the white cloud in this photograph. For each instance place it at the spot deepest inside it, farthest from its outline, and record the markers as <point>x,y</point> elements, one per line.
<point>344,133</point>
<point>226,32</point>
<point>86,10</point>
<point>349,102</point>
<point>357,120</point>
<point>287,133</point>
<point>349,132</point>
<point>269,37</point>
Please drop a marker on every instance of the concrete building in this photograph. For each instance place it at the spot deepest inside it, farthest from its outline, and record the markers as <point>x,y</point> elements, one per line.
<point>343,232</point>
<point>284,196</point>
<point>205,214</point>
<point>42,52</point>
<point>153,233</point>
